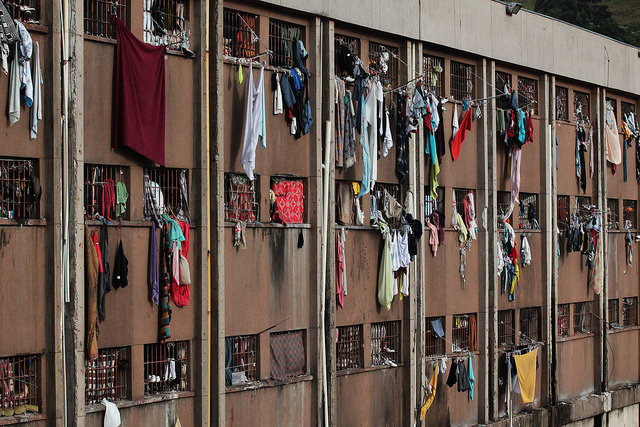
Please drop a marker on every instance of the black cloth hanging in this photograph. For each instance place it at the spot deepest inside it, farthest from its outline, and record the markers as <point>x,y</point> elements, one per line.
<point>453,374</point>
<point>441,146</point>
<point>104,278</point>
<point>120,268</point>
<point>463,378</point>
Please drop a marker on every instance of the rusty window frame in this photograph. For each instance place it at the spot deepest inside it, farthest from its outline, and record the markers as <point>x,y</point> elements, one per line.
<point>562,103</point>
<point>94,178</point>
<point>97,17</point>
<point>156,359</point>
<point>563,320</point>
<point>433,344</point>
<point>431,204</point>
<point>238,187</point>
<point>613,307</point>
<point>16,193</point>
<point>563,211</point>
<point>530,319</point>
<point>108,376</point>
<point>395,190</point>
<point>281,35</point>
<point>503,201</point>
<point>434,80</point>
<point>630,214</point>
<point>168,179</point>
<point>353,43</point>
<point>462,84</point>
<point>390,78</point>
<point>613,222</point>
<point>630,311</point>
<point>176,23</point>
<point>460,332</point>
<point>523,211</point>
<point>386,345</point>
<point>21,378</point>
<point>237,30</point>
<point>582,99</point>
<point>502,77</point>
<point>506,328</point>
<point>582,318</point>
<point>349,350</point>
<point>13,6</point>
<point>244,357</point>
<point>527,91</point>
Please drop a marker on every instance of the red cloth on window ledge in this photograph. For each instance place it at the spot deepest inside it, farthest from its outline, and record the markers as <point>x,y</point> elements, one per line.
<point>139,106</point>
<point>289,201</point>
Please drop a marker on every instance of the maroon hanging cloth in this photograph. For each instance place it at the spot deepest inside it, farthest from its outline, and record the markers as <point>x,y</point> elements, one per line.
<point>139,100</point>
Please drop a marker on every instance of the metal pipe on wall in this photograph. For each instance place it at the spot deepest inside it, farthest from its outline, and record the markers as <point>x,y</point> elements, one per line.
<point>325,249</point>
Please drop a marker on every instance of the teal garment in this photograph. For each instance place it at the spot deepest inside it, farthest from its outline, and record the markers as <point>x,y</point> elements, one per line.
<point>121,198</point>
<point>521,129</point>
<point>366,167</point>
<point>430,148</point>
<point>175,233</point>
<point>472,378</point>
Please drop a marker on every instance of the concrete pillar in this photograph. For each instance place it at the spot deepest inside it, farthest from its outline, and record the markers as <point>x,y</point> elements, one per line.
<point>552,299</point>
<point>599,136</point>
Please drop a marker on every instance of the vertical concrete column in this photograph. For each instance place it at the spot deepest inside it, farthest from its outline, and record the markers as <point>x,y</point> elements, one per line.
<point>599,135</point>
<point>216,153</point>
<point>552,299</point>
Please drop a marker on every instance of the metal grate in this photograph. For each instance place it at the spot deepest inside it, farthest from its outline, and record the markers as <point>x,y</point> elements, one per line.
<point>348,347</point>
<point>582,316</point>
<point>461,195</point>
<point>433,344</point>
<point>28,11</point>
<point>629,214</point>
<point>238,28</point>
<point>431,204</point>
<point>244,358</point>
<point>562,103</point>
<point>630,311</point>
<point>502,78</point>
<point>506,335</point>
<point>381,56</point>
<point>97,17</point>
<point>581,105</point>
<point>460,332</point>
<point>168,180</point>
<point>19,381</point>
<point>528,211</point>
<point>240,199</point>
<point>107,376</point>
<point>614,313</point>
<point>563,320</point>
<point>281,35</point>
<point>462,87</point>
<point>385,343</point>
<point>584,202</point>
<point>563,212</point>
<point>166,23</point>
<point>352,43</point>
<point>626,109</point>
<point>613,222</point>
<point>527,91</point>
<point>19,189</point>
<point>395,191</point>
<point>503,201</point>
<point>166,367</point>
<point>433,68</point>
<point>95,177</point>
<point>529,324</point>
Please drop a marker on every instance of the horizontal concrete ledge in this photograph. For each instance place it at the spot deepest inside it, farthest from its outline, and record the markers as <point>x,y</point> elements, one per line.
<point>255,385</point>
<point>146,401</point>
<point>21,419</point>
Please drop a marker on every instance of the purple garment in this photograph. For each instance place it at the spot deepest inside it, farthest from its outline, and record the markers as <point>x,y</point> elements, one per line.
<point>154,281</point>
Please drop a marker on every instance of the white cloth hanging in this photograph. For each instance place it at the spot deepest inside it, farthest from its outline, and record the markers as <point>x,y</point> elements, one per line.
<point>4,56</point>
<point>454,122</point>
<point>14,90</point>
<point>252,124</point>
<point>278,108</point>
<point>525,251</point>
<point>36,107</point>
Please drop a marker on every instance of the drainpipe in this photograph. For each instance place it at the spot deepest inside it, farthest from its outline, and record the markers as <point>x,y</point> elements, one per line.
<point>325,249</point>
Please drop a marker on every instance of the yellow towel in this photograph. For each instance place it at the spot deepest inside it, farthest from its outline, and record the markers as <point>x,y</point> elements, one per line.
<point>434,385</point>
<point>526,366</point>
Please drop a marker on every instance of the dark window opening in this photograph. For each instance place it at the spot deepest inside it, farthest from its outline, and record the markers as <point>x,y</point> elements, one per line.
<point>166,367</point>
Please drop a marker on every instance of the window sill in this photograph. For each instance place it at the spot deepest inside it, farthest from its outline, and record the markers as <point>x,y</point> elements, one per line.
<point>127,223</point>
<point>624,329</point>
<point>36,28</point>
<point>354,371</point>
<point>356,227</point>
<point>100,39</point>
<point>255,385</point>
<point>576,337</point>
<point>21,419</point>
<point>39,222</point>
<point>90,409</point>
<point>268,225</point>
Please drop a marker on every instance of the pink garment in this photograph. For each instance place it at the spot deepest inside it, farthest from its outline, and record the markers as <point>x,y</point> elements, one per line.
<point>185,243</point>
<point>175,263</point>
<point>434,241</point>
<point>180,293</point>
<point>516,158</point>
<point>339,272</point>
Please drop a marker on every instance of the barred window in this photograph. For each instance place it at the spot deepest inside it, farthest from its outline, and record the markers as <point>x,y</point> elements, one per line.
<point>502,79</point>
<point>20,189</point>
<point>614,313</point>
<point>563,209</point>
<point>28,11</point>
<point>581,105</point>
<point>240,198</point>
<point>108,376</point>
<point>238,29</point>
<point>504,201</point>
<point>281,35</point>
<point>166,23</point>
<point>613,222</point>
<point>348,347</point>
<point>435,345</point>
<point>383,60</point>
<point>506,330</point>
<point>461,331</point>
<point>385,343</point>
<point>166,367</point>
<point>377,206</point>
<point>430,204</point>
<point>529,324</point>
<point>166,189</point>
<point>563,320</point>
<point>582,318</point>
<point>433,68</point>
<point>243,359</point>
<point>19,383</point>
<point>462,87</point>
<point>289,207</point>
<point>528,211</point>
<point>630,311</point>
<point>626,108</point>
<point>562,103</point>
<point>527,91</point>
<point>288,356</point>
<point>461,194</point>
<point>98,180</point>
<point>629,214</point>
<point>584,202</point>
<point>97,17</point>
<point>352,43</point>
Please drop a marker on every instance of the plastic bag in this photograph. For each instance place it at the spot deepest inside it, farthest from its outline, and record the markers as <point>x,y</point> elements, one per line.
<point>111,415</point>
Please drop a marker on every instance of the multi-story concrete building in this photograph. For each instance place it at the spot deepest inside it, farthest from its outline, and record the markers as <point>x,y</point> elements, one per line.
<point>266,338</point>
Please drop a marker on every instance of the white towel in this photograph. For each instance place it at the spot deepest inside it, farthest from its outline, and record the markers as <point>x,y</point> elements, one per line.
<point>36,107</point>
<point>14,90</point>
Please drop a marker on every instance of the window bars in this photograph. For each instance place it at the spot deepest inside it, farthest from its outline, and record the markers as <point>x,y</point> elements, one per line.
<point>166,367</point>
<point>95,177</point>
<point>281,35</point>
<point>562,103</point>
<point>244,358</point>
<point>462,87</point>
<point>166,23</point>
<point>28,11</point>
<point>527,91</point>
<point>107,376</point>
<point>502,78</point>
<point>97,17</point>
<point>348,347</point>
<point>169,190</point>
<point>528,211</point>
<point>629,214</point>
<point>433,344</point>
<point>529,324</point>
<point>582,317</point>
<point>563,320</point>
<point>460,332</point>
<point>19,189</point>
<point>377,206</point>
<point>506,330</point>
<point>613,222</point>
<point>563,212</point>
<point>240,201</point>
<point>238,29</point>
<point>614,313</point>
<point>385,343</point>
<point>503,201</point>
<point>431,204</point>
<point>383,60</point>
<point>433,68</point>
<point>630,311</point>
<point>352,43</point>
<point>19,381</point>
<point>581,106</point>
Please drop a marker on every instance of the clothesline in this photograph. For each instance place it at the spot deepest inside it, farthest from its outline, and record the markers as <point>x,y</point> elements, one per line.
<point>532,341</point>
<point>255,36</point>
<point>247,61</point>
